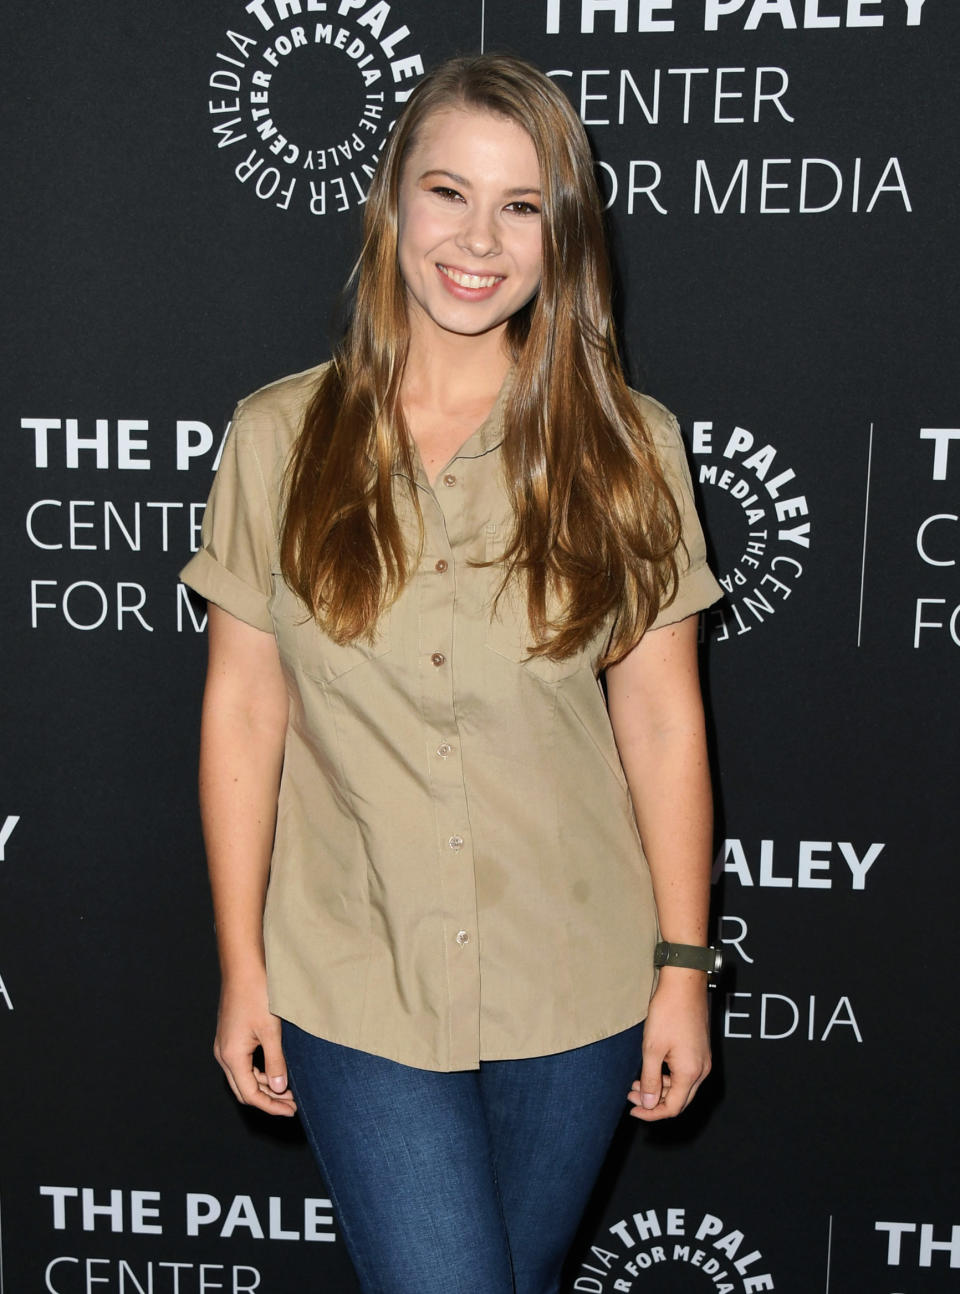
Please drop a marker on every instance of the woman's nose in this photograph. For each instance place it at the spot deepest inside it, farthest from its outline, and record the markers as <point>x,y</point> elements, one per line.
<point>478,234</point>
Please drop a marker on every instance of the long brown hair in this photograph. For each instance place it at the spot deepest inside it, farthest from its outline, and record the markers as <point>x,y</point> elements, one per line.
<point>596,528</point>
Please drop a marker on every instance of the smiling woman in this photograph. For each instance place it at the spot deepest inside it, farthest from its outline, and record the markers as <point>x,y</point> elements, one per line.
<point>469,235</point>
<point>422,820</point>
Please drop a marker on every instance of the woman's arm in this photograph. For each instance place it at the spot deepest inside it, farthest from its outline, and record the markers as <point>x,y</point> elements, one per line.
<point>657,717</point>
<point>241,754</point>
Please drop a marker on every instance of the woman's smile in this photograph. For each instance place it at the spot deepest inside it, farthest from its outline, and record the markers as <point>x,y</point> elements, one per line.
<point>469,286</point>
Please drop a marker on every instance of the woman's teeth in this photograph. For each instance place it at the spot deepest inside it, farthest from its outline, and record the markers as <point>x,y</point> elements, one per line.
<point>470,280</point>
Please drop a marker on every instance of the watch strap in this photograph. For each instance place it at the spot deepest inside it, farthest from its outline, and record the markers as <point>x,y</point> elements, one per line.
<point>689,956</point>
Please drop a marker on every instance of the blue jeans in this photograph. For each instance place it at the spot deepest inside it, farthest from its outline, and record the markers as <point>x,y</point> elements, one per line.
<point>471,1182</point>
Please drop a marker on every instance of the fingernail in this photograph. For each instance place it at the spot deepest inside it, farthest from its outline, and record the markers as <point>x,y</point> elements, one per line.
<point>648,1100</point>
<point>278,1082</point>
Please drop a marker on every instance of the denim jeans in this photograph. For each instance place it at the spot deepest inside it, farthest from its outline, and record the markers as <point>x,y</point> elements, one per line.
<point>471,1182</point>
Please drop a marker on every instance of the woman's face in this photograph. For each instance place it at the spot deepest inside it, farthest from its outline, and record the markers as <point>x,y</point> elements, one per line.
<point>469,223</point>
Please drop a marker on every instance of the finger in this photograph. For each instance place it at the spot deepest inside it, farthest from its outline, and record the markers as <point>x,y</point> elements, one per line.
<point>274,1064</point>
<point>649,1086</point>
<point>227,1073</point>
<point>261,1098</point>
<point>243,1082</point>
<point>677,1093</point>
<point>264,1084</point>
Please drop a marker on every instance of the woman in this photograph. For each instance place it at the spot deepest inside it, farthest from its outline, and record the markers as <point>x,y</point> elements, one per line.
<point>419,560</point>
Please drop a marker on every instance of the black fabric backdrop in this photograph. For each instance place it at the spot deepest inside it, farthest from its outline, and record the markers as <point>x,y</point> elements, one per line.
<point>790,290</point>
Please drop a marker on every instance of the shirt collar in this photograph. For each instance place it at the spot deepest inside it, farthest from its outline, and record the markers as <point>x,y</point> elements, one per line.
<point>487,437</point>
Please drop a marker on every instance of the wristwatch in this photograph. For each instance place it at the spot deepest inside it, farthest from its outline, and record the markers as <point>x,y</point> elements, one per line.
<point>690,956</point>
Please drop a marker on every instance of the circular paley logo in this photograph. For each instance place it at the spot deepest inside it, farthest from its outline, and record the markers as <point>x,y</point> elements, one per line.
<point>760,515</point>
<point>659,1250</point>
<point>303,94</point>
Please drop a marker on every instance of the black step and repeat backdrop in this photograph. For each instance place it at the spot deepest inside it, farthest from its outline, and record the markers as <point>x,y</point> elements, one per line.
<point>183,186</point>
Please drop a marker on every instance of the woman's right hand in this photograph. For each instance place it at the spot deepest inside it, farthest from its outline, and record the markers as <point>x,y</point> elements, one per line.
<point>244,1023</point>
<point>245,707</point>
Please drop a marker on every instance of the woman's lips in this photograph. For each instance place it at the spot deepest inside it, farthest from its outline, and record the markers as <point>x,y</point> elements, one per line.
<point>469,287</point>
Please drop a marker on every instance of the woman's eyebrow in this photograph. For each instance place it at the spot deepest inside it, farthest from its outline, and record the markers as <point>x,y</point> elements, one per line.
<point>465,183</point>
<point>451,175</point>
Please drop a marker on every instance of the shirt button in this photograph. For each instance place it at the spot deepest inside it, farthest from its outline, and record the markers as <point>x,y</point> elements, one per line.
<point>455,842</point>
<point>441,565</point>
<point>438,658</point>
<point>449,479</point>
<point>462,937</point>
<point>444,749</point>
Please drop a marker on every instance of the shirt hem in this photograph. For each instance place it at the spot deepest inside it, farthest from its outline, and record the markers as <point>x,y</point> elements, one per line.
<point>334,1036</point>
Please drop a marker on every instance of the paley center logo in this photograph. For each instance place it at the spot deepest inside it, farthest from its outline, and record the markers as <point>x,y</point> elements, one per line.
<point>303,95</point>
<point>651,1250</point>
<point>757,509</point>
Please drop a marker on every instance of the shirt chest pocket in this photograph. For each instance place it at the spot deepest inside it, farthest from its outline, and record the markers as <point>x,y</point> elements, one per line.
<point>508,631</point>
<point>304,644</point>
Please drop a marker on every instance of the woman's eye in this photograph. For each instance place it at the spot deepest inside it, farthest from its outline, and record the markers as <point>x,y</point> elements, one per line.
<point>450,195</point>
<point>524,208</point>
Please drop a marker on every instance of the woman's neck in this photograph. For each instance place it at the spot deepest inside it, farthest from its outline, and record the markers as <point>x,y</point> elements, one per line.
<point>453,372</point>
<point>449,388</point>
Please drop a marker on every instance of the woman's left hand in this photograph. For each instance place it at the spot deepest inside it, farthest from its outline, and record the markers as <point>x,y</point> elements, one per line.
<point>676,1034</point>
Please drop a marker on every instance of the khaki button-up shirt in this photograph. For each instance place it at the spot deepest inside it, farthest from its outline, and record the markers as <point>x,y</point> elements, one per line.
<point>457,873</point>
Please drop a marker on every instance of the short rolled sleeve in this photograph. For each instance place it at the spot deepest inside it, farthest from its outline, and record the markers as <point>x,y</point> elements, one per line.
<point>696,586</point>
<point>232,568</point>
